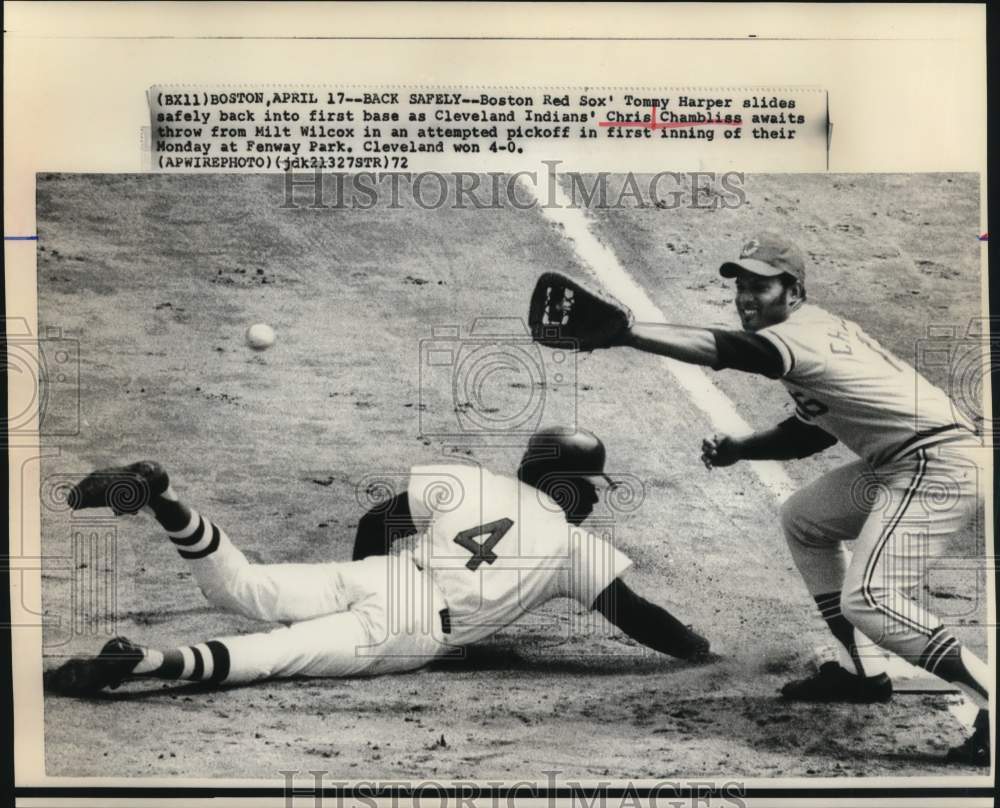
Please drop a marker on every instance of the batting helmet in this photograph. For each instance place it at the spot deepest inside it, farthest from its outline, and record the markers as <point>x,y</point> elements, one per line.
<point>557,450</point>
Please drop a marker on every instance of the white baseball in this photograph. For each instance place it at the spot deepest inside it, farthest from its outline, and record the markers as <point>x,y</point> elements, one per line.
<point>260,336</point>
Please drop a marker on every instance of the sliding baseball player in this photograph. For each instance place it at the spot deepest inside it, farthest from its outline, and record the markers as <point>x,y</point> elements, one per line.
<point>489,549</point>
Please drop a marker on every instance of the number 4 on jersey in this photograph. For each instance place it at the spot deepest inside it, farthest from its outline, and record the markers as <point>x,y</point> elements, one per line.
<point>483,551</point>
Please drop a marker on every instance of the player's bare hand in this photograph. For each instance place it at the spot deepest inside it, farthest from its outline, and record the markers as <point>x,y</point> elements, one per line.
<point>719,450</point>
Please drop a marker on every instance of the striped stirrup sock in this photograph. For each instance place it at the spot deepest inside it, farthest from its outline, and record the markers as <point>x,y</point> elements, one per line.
<point>204,662</point>
<point>199,539</point>
<point>944,656</point>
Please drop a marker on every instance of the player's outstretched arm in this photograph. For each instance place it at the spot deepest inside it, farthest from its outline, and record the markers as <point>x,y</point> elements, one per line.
<point>792,439</point>
<point>648,623</point>
<point>712,347</point>
<point>684,343</point>
<point>382,525</point>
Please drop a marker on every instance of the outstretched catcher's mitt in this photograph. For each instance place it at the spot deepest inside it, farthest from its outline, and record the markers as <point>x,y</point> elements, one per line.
<point>562,310</point>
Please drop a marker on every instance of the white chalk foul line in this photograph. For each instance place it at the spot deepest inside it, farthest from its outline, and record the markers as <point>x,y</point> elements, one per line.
<point>605,266</point>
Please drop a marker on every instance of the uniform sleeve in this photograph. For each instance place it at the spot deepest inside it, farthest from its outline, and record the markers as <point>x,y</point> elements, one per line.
<point>802,345</point>
<point>803,438</point>
<point>439,489</point>
<point>750,353</point>
<point>595,563</point>
<point>382,525</point>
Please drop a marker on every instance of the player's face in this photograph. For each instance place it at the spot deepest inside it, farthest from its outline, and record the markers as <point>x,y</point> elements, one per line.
<point>761,301</point>
<point>576,495</point>
<point>584,502</point>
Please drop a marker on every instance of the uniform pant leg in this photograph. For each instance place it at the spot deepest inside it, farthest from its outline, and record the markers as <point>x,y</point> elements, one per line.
<point>929,497</point>
<point>819,518</point>
<point>337,645</point>
<point>390,627</point>
<point>273,592</point>
<point>324,646</point>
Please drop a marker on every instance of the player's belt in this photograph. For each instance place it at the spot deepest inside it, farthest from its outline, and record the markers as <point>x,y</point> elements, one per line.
<point>932,437</point>
<point>445,616</point>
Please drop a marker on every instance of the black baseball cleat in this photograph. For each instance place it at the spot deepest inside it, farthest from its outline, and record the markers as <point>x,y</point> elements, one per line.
<point>87,677</point>
<point>125,489</point>
<point>834,683</point>
<point>691,646</point>
<point>975,751</point>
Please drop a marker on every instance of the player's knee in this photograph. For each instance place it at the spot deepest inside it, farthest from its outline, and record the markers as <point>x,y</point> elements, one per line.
<point>241,595</point>
<point>792,521</point>
<point>216,594</point>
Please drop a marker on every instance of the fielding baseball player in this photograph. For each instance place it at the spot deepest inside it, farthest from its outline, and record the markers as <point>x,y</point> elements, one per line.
<point>488,549</point>
<point>913,487</point>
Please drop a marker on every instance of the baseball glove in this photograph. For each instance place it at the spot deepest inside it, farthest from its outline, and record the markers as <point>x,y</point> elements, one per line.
<point>563,310</point>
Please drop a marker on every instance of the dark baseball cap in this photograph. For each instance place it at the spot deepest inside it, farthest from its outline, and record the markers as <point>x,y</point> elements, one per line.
<point>768,254</point>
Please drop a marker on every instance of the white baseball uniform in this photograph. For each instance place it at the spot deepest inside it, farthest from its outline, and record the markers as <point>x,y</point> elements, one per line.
<point>917,483</point>
<point>497,548</point>
<point>490,549</point>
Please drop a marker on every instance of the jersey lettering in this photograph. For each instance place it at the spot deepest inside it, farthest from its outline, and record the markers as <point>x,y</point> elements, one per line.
<point>840,344</point>
<point>859,392</point>
<point>809,406</point>
<point>873,346</point>
<point>483,552</point>
<point>518,551</point>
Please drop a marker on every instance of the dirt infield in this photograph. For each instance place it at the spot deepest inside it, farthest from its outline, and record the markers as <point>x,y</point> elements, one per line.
<point>158,277</point>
